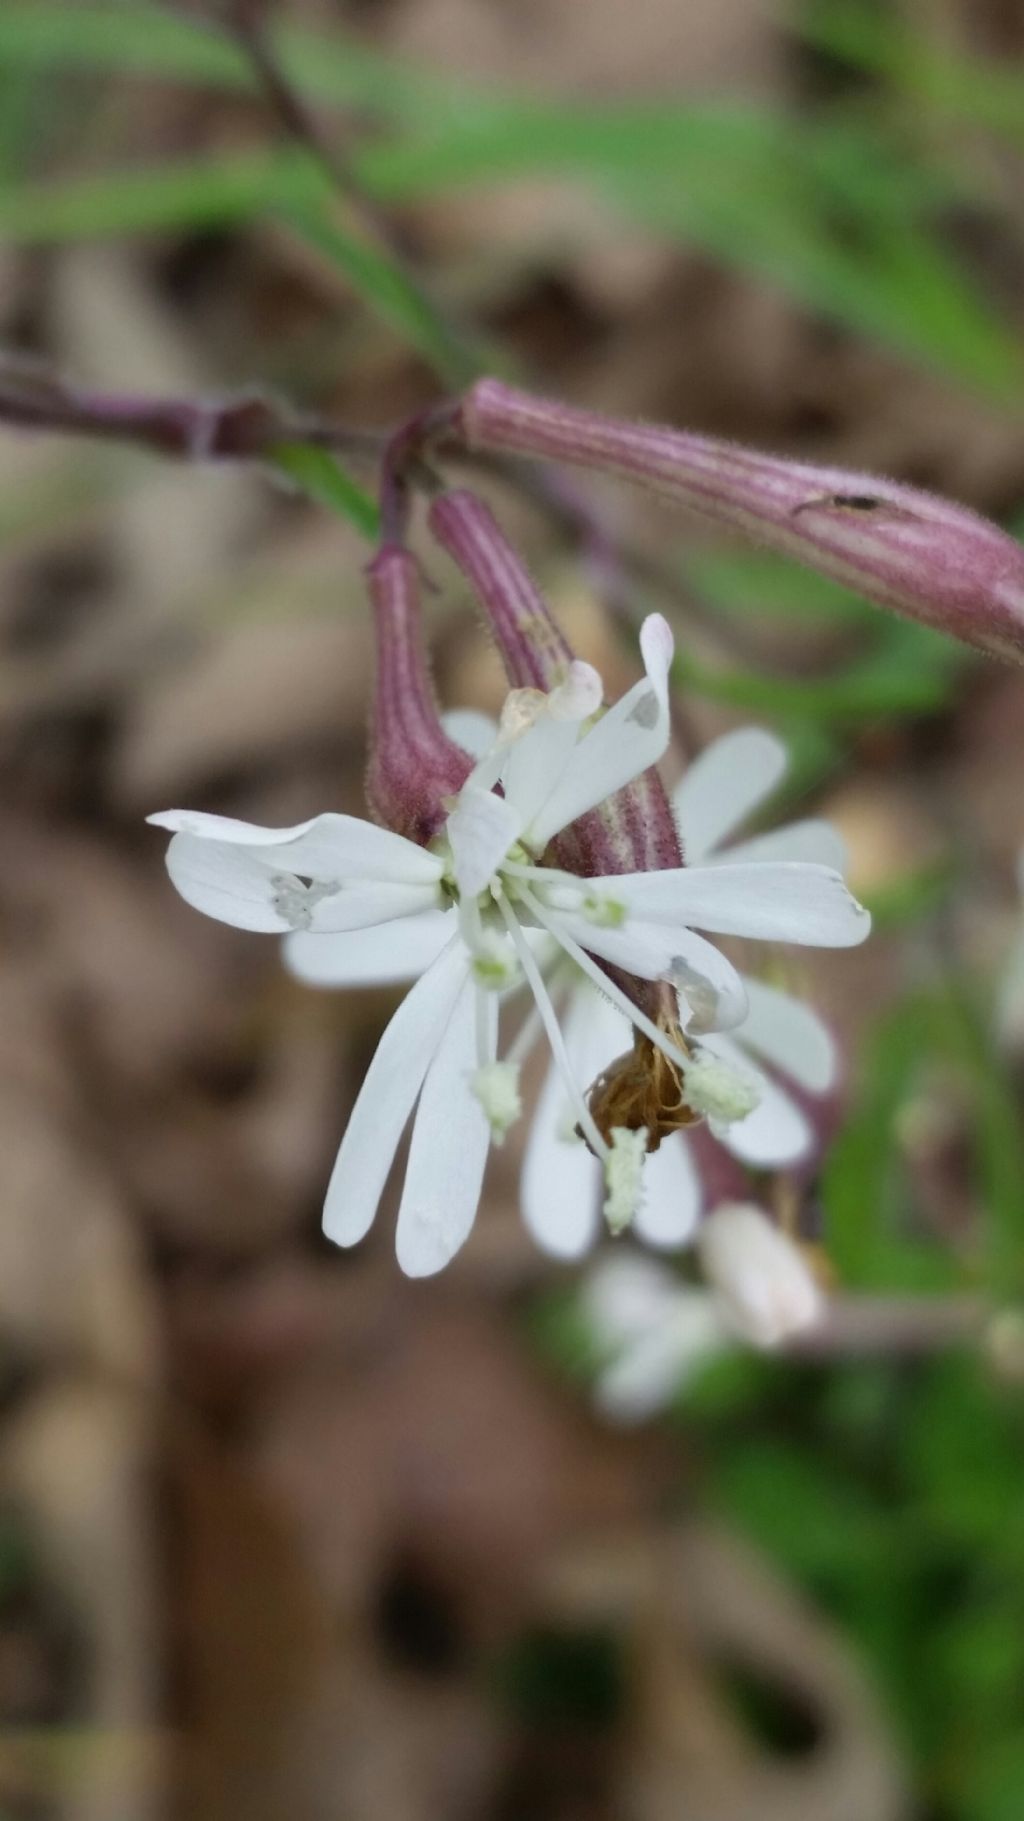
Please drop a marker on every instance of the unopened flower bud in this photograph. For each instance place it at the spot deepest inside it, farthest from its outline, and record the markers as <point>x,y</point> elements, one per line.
<point>764,1286</point>
<point>533,647</point>
<point>904,549</point>
<point>413,766</point>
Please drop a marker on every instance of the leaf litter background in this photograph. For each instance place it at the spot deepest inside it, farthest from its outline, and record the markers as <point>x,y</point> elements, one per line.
<point>280,1533</point>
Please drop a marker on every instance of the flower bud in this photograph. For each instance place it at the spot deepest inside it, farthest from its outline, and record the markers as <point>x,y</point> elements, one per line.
<point>413,765</point>
<point>904,549</point>
<point>534,650</point>
<point>764,1286</point>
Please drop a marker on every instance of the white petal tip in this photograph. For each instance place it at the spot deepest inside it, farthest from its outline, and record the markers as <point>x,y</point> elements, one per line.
<point>579,696</point>
<point>657,643</point>
<point>423,1252</point>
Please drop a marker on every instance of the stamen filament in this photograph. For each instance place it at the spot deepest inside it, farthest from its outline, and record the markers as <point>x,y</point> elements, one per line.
<point>553,1029</point>
<point>486,1012</point>
<point>607,986</point>
<point>530,1029</point>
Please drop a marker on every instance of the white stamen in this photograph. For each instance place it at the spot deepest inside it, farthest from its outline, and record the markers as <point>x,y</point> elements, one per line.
<point>496,1086</point>
<point>486,1020</point>
<point>605,984</point>
<point>553,1029</point>
<point>717,1090</point>
<point>623,1176</point>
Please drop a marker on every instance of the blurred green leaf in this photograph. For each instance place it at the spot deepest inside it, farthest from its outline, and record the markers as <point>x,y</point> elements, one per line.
<point>836,220</point>
<point>992,1781</point>
<point>876,38</point>
<point>320,475</point>
<point>909,897</point>
<point>907,671</point>
<point>138,39</point>
<point>864,1187</point>
<point>757,584</point>
<point>769,1484</point>
<point>386,288</point>
<point>193,194</point>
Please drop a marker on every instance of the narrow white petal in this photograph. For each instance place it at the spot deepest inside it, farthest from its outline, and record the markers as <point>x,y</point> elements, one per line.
<point>814,841</point>
<point>781,901</point>
<point>393,1080</point>
<point>627,740</point>
<point>326,847</point>
<point>481,830</point>
<point>721,787</point>
<point>626,1294</point>
<point>673,1195</point>
<point>713,991</point>
<point>657,1328</point>
<point>225,828</point>
<point>765,1288</point>
<point>377,956</point>
<point>224,882</point>
<point>791,1036</point>
<point>535,763</point>
<point>363,906</point>
<point>777,1133</point>
<point>473,731</point>
<point>448,1153</point>
<point>651,1372</point>
<point>561,1181</point>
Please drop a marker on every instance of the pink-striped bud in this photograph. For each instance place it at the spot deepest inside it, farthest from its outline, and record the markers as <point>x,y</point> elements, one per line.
<point>413,765</point>
<point>904,549</point>
<point>632,831</point>
<point>535,652</point>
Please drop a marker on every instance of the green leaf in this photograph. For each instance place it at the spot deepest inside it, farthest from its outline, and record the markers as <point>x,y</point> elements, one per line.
<point>320,475</point>
<point>910,897</point>
<point>985,94</point>
<point>756,583</point>
<point>197,193</point>
<point>781,197</point>
<point>385,287</point>
<point>134,38</point>
<point>864,1186</point>
<point>908,671</point>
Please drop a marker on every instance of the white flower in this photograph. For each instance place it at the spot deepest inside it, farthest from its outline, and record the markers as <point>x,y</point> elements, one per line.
<point>561,1184</point>
<point>652,1331</point>
<point>764,1286</point>
<point>462,920</point>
